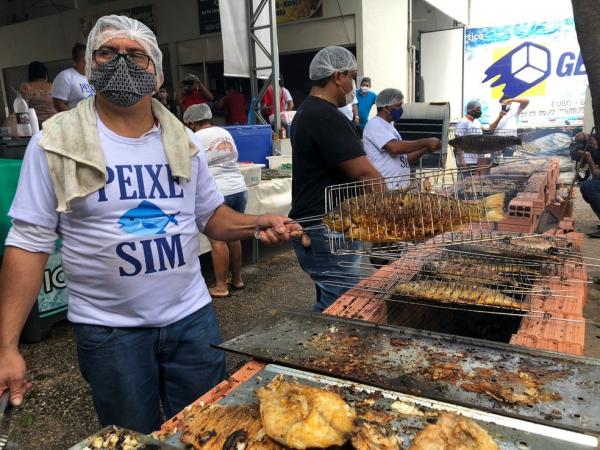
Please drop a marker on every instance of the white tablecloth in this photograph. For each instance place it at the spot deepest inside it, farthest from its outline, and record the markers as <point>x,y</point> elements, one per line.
<point>269,196</point>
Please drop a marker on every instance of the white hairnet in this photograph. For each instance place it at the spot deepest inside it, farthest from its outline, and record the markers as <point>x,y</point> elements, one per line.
<point>115,27</point>
<point>329,60</point>
<point>196,113</point>
<point>388,97</point>
<point>472,105</point>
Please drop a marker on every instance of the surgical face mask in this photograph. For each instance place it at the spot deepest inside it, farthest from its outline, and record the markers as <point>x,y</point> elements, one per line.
<point>475,114</point>
<point>364,89</point>
<point>122,82</point>
<point>350,96</point>
<point>396,113</point>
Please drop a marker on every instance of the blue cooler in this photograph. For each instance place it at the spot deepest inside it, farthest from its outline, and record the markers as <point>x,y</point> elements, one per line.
<point>254,142</point>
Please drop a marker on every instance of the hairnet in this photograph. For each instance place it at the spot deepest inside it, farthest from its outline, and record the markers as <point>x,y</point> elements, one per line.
<point>196,113</point>
<point>115,27</point>
<point>472,105</point>
<point>329,60</point>
<point>388,97</point>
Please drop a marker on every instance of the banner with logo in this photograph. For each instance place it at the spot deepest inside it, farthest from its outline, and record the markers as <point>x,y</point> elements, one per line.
<point>540,61</point>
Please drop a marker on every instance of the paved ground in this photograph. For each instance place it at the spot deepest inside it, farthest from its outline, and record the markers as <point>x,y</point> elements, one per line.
<point>58,411</point>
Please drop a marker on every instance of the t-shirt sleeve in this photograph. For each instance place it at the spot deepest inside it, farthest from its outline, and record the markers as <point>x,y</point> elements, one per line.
<point>208,197</point>
<point>338,141</point>
<point>61,86</point>
<point>35,201</point>
<point>381,135</point>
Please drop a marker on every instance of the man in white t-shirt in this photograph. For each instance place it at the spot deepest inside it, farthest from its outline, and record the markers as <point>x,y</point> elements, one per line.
<point>140,308</point>
<point>385,148</point>
<point>71,85</point>
<point>508,119</point>
<point>469,124</point>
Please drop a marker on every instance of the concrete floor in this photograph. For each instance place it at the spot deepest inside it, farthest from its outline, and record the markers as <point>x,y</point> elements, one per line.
<point>58,411</point>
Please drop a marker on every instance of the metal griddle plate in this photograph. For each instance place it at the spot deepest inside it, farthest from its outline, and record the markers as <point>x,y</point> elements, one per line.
<point>403,359</point>
<point>509,434</point>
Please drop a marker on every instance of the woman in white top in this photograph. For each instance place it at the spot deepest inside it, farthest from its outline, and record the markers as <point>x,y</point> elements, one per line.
<point>222,158</point>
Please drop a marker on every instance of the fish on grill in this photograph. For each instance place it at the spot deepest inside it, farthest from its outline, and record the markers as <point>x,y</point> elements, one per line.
<point>453,432</point>
<point>500,266</point>
<point>455,292</point>
<point>484,143</point>
<point>470,273</point>
<point>220,427</point>
<point>507,249</point>
<point>402,215</point>
<point>300,416</point>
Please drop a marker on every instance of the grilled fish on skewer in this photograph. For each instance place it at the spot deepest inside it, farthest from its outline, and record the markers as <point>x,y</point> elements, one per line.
<point>499,266</point>
<point>467,273</point>
<point>402,215</point>
<point>509,250</point>
<point>484,143</point>
<point>455,292</point>
<point>300,416</point>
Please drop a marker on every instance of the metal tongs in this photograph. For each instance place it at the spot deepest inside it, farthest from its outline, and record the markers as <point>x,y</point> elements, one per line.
<point>5,415</point>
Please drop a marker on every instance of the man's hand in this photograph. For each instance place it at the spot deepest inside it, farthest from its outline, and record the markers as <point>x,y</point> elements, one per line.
<point>585,157</point>
<point>12,375</point>
<point>275,229</point>
<point>433,144</point>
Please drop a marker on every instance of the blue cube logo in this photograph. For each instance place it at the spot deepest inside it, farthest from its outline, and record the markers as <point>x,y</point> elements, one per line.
<point>520,69</point>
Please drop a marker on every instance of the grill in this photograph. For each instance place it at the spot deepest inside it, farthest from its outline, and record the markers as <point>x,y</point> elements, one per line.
<point>426,210</point>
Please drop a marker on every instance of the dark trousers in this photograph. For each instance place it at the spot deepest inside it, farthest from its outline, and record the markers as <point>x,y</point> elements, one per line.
<point>590,191</point>
<point>132,371</point>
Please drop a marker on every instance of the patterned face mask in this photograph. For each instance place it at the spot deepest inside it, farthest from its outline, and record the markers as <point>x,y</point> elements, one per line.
<point>122,82</point>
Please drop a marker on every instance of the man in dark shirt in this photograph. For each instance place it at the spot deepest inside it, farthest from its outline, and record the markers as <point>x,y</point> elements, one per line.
<point>326,151</point>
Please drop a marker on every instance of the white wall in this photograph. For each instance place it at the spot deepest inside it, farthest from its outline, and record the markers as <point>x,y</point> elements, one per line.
<point>382,43</point>
<point>427,18</point>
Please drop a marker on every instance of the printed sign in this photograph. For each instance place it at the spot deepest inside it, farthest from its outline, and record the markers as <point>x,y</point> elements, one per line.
<point>208,14</point>
<point>292,10</point>
<point>540,61</point>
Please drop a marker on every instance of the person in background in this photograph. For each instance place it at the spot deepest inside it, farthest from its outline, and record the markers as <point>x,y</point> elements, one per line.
<point>326,151</point>
<point>366,99</point>
<point>350,111</point>
<point>590,189</point>
<point>268,100</point>
<point>165,99</point>
<point>507,121</point>
<point>384,147</point>
<point>234,104</point>
<point>222,158</point>
<point>71,85</point>
<point>288,100</point>
<point>192,91</point>
<point>37,91</point>
<point>469,124</point>
<point>139,306</point>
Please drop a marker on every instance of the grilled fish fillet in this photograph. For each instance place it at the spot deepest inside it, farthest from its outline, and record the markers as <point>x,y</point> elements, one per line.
<point>499,266</point>
<point>470,273</point>
<point>484,143</point>
<point>373,432</point>
<point>401,215</point>
<point>455,292</point>
<point>218,427</point>
<point>300,416</point>
<point>453,432</point>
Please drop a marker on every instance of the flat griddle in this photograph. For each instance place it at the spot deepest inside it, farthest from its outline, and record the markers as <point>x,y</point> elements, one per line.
<point>509,433</point>
<point>403,359</point>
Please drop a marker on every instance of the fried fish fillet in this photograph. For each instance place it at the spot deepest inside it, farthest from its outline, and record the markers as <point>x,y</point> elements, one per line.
<point>402,215</point>
<point>453,432</point>
<point>300,416</point>
<point>220,427</point>
<point>372,432</point>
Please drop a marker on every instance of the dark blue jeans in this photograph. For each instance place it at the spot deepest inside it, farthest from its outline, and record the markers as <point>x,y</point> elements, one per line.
<point>131,371</point>
<point>317,260</point>
<point>237,202</point>
<point>590,191</point>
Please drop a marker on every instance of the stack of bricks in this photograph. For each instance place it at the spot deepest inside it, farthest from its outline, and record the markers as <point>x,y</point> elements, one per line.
<point>556,322</point>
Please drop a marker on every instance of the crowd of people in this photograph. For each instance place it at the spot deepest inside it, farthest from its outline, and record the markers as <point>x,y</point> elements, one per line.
<point>127,187</point>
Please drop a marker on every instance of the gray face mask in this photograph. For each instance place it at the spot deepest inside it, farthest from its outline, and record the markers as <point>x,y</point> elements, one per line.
<point>122,82</point>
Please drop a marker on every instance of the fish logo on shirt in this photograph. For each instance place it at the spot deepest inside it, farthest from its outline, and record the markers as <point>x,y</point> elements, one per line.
<point>146,219</point>
<point>519,70</point>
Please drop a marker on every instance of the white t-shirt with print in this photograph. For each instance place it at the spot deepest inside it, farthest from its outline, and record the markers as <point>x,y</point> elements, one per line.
<point>376,134</point>
<point>222,158</point>
<point>71,87</point>
<point>130,250</point>
<point>464,127</point>
<point>509,124</point>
